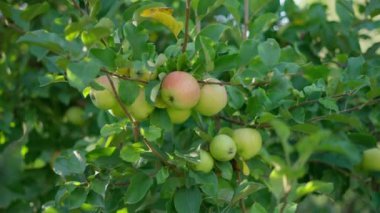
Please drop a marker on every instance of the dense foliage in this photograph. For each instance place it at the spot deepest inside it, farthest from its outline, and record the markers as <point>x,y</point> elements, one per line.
<point>307,78</point>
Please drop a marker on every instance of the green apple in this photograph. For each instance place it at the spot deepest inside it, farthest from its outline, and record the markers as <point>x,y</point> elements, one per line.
<point>371,159</point>
<point>178,116</point>
<point>205,163</point>
<point>180,90</point>
<point>75,115</point>
<point>140,109</point>
<point>104,98</point>
<point>142,71</point>
<point>117,111</point>
<point>248,142</point>
<point>213,98</point>
<point>222,148</point>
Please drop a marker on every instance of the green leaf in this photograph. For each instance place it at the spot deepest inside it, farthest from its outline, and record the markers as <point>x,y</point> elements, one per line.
<point>34,10</point>
<point>305,128</point>
<point>128,91</point>
<point>162,175</point>
<point>80,74</point>
<point>248,50</point>
<point>257,208</point>
<point>225,169</point>
<point>256,6</point>
<point>45,39</point>
<point>207,53</point>
<point>213,31</point>
<point>151,133</point>
<point>50,79</point>
<point>329,103</point>
<point>188,200</point>
<point>70,162</point>
<point>235,97</point>
<point>137,40</point>
<point>314,186</point>
<point>269,52</point>
<point>76,198</point>
<point>131,152</point>
<point>262,24</point>
<point>99,185</point>
<point>106,57</point>
<point>112,129</point>
<point>208,182</point>
<point>160,118</point>
<point>234,8</point>
<point>137,189</point>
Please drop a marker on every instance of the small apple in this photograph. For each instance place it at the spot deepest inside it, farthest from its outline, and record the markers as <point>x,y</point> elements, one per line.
<point>213,98</point>
<point>222,148</point>
<point>140,109</point>
<point>205,163</point>
<point>75,115</point>
<point>104,98</point>
<point>178,116</point>
<point>248,142</point>
<point>371,159</point>
<point>180,90</point>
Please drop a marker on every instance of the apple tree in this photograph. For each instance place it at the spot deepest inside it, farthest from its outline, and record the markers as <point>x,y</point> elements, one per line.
<point>189,106</point>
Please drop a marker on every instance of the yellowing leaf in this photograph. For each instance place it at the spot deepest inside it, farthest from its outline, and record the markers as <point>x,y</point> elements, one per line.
<point>164,16</point>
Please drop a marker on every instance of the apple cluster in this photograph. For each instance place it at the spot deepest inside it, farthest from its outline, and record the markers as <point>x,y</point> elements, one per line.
<point>245,142</point>
<point>179,94</point>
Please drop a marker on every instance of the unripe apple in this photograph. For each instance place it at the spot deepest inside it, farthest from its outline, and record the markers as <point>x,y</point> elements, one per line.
<point>140,109</point>
<point>75,115</point>
<point>248,142</point>
<point>178,116</point>
<point>213,98</point>
<point>205,163</point>
<point>117,111</point>
<point>371,159</point>
<point>222,148</point>
<point>105,98</point>
<point>180,90</point>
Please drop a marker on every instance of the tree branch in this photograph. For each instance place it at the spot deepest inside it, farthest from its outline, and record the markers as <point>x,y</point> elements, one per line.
<point>104,70</point>
<point>187,13</point>
<point>127,114</point>
<point>246,19</point>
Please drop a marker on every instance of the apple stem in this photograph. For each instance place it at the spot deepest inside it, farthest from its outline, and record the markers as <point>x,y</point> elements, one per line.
<point>186,38</point>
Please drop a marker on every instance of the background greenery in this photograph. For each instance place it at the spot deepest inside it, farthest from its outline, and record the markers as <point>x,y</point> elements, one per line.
<point>315,99</point>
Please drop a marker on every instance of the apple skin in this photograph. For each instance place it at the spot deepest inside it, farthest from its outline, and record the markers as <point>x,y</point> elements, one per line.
<point>140,109</point>
<point>104,99</point>
<point>371,160</point>
<point>180,90</point>
<point>178,116</point>
<point>213,98</point>
<point>248,142</point>
<point>222,148</point>
<point>206,162</point>
<point>75,115</point>
<point>159,103</point>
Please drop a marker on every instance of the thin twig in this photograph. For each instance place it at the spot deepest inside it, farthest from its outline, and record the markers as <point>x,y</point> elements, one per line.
<point>185,40</point>
<point>77,6</point>
<point>369,103</point>
<point>127,114</point>
<point>104,70</point>
<point>155,152</point>
<point>337,97</point>
<point>12,26</point>
<point>239,179</point>
<point>246,19</point>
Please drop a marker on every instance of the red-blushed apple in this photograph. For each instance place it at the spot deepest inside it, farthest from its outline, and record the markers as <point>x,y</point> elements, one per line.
<point>222,148</point>
<point>248,142</point>
<point>180,90</point>
<point>371,160</point>
<point>75,115</point>
<point>140,109</point>
<point>213,98</point>
<point>104,98</point>
<point>205,163</point>
<point>178,116</point>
